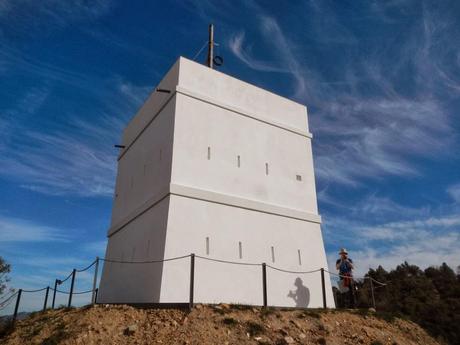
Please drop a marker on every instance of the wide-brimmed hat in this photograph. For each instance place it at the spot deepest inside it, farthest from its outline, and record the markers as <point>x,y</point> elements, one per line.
<point>343,251</point>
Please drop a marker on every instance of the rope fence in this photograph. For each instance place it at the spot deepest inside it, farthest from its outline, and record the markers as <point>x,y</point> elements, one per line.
<point>88,267</point>
<point>66,278</point>
<point>355,278</point>
<point>294,272</point>
<point>145,262</point>
<point>357,296</point>
<point>7,301</point>
<point>94,290</point>
<point>75,293</point>
<point>32,291</point>
<point>228,262</point>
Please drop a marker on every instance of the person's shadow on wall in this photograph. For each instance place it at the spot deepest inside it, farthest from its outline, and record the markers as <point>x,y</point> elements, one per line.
<point>301,295</point>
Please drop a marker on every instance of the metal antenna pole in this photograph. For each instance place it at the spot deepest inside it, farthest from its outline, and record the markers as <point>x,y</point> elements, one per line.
<point>210,46</point>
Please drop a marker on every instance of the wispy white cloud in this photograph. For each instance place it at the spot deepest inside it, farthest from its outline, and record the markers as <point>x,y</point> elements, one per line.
<point>20,230</point>
<point>364,125</point>
<point>80,162</point>
<point>384,208</point>
<point>5,7</point>
<point>372,206</point>
<point>423,241</point>
<point>74,155</point>
<point>26,19</point>
<point>23,109</point>
<point>377,137</point>
<point>134,93</point>
<point>236,44</point>
<point>60,13</point>
<point>454,192</point>
<point>426,250</point>
<point>273,33</point>
<point>60,265</point>
<point>96,247</point>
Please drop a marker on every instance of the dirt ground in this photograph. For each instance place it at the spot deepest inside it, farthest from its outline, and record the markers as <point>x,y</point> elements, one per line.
<point>222,324</point>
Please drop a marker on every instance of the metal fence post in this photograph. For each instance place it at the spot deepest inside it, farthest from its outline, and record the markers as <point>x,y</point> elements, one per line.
<point>46,297</point>
<point>372,293</point>
<point>192,280</point>
<point>96,268</point>
<point>323,288</point>
<point>264,283</point>
<point>71,288</point>
<point>16,307</point>
<point>56,282</point>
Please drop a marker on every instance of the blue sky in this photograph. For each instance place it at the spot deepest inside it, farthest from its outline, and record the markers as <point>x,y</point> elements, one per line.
<point>381,80</point>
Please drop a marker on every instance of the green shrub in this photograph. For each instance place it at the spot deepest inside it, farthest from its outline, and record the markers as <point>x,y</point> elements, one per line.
<point>229,321</point>
<point>254,328</point>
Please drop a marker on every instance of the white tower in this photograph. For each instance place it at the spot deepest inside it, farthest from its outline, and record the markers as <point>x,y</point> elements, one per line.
<point>222,169</point>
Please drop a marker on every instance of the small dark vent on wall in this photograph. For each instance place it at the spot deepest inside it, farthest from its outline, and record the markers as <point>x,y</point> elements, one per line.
<point>209,153</point>
<point>298,177</point>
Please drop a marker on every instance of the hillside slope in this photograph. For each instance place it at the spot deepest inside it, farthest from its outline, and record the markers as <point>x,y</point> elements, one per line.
<point>221,324</point>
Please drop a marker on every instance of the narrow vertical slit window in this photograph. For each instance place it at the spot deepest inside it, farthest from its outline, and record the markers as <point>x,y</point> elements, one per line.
<point>300,257</point>
<point>207,245</point>
<point>266,168</point>
<point>209,153</point>
<point>240,250</point>
<point>273,253</point>
<point>239,161</point>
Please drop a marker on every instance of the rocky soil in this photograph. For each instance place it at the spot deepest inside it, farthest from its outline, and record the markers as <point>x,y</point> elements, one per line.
<point>222,324</point>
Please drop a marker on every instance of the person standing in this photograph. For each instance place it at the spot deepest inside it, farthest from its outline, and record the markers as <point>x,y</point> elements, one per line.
<point>345,267</point>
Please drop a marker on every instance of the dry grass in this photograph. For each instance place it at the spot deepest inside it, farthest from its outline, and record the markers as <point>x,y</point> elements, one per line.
<point>211,325</point>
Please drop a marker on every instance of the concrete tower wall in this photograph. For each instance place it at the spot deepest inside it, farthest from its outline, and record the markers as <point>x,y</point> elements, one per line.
<point>144,171</point>
<point>214,230</point>
<point>234,181</point>
<point>244,97</point>
<point>140,240</point>
<point>220,150</point>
